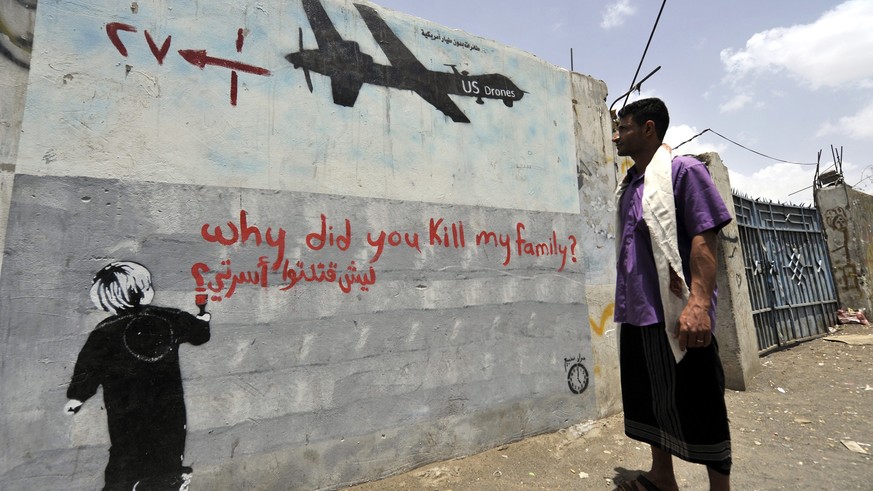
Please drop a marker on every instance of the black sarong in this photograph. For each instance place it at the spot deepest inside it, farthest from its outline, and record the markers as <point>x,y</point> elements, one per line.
<point>678,408</point>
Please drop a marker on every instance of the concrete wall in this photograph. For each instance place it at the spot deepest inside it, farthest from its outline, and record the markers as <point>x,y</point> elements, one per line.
<point>396,273</point>
<point>735,326</point>
<point>846,213</point>
<point>17,20</point>
<point>598,168</point>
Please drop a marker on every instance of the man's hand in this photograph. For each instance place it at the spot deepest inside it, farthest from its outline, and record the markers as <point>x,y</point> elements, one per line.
<point>695,330</point>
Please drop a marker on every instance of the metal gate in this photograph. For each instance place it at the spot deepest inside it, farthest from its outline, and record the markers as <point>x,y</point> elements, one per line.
<point>788,271</point>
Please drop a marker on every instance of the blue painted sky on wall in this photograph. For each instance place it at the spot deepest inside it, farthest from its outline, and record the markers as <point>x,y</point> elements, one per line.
<point>147,93</point>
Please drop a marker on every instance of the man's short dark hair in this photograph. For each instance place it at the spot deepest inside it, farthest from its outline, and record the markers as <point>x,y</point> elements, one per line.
<point>652,109</point>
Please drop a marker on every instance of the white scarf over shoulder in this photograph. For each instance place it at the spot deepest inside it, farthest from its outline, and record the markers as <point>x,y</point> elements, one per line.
<point>659,214</point>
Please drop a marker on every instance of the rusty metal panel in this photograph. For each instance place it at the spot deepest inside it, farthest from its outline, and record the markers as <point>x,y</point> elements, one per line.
<point>788,271</point>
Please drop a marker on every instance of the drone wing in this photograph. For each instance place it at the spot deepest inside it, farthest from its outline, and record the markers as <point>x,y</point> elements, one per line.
<point>325,33</point>
<point>403,60</point>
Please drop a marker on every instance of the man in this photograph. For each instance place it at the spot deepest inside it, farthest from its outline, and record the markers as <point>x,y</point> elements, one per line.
<point>672,383</point>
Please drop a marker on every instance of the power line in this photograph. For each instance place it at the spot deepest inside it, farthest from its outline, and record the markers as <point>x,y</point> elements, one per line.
<point>834,166</point>
<point>636,87</point>
<point>743,147</point>
<point>649,42</point>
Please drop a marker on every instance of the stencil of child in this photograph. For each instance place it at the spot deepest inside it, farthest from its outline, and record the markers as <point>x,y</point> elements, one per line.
<point>134,355</point>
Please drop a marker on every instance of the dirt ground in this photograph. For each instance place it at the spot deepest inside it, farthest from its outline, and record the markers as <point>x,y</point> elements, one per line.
<point>802,425</point>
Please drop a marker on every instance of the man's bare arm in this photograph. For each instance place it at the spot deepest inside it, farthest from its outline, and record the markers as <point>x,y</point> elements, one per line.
<point>694,329</point>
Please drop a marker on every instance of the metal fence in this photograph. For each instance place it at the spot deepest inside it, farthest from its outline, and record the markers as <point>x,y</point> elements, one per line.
<point>788,271</point>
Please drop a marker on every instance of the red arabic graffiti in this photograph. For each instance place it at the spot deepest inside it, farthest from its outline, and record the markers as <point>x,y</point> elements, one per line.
<point>223,281</point>
<point>328,274</point>
<point>197,57</point>
<point>227,279</point>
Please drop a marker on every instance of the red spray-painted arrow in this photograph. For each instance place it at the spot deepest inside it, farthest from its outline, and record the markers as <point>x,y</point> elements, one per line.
<point>199,58</point>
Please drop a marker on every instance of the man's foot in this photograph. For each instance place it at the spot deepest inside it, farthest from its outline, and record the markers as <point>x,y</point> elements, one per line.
<point>643,483</point>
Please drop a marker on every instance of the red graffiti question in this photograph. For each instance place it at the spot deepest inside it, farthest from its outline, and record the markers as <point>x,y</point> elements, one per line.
<point>339,237</point>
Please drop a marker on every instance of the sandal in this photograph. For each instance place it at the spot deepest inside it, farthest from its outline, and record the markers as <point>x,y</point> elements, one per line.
<point>642,480</point>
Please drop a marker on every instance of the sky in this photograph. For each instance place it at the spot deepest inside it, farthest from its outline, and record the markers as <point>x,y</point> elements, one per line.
<point>784,78</point>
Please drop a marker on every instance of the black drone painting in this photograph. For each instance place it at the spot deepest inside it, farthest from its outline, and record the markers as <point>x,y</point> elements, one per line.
<point>349,68</point>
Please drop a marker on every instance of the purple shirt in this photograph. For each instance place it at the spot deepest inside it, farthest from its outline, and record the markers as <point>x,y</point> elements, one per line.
<point>699,208</point>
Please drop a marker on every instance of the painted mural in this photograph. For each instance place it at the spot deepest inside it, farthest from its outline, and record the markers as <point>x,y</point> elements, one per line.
<point>225,75</point>
<point>324,241</point>
<point>846,270</point>
<point>845,212</point>
<point>222,280</point>
<point>134,356</point>
<point>349,68</point>
<point>335,321</point>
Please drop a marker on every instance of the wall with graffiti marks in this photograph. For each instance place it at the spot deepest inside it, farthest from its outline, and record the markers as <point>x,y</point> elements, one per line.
<point>16,41</point>
<point>849,234</point>
<point>597,179</point>
<point>17,20</point>
<point>294,245</point>
<point>735,325</point>
<point>408,109</point>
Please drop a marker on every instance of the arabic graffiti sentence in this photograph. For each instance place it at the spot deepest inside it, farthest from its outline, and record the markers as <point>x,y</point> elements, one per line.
<point>274,269</point>
<point>445,39</point>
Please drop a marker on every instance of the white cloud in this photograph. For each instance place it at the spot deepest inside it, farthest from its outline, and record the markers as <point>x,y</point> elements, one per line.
<point>859,126</point>
<point>784,183</point>
<point>835,50</point>
<point>788,183</point>
<point>738,102</point>
<point>615,14</point>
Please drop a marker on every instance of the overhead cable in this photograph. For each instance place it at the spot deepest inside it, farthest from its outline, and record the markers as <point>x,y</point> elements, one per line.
<point>649,42</point>
<point>743,147</point>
